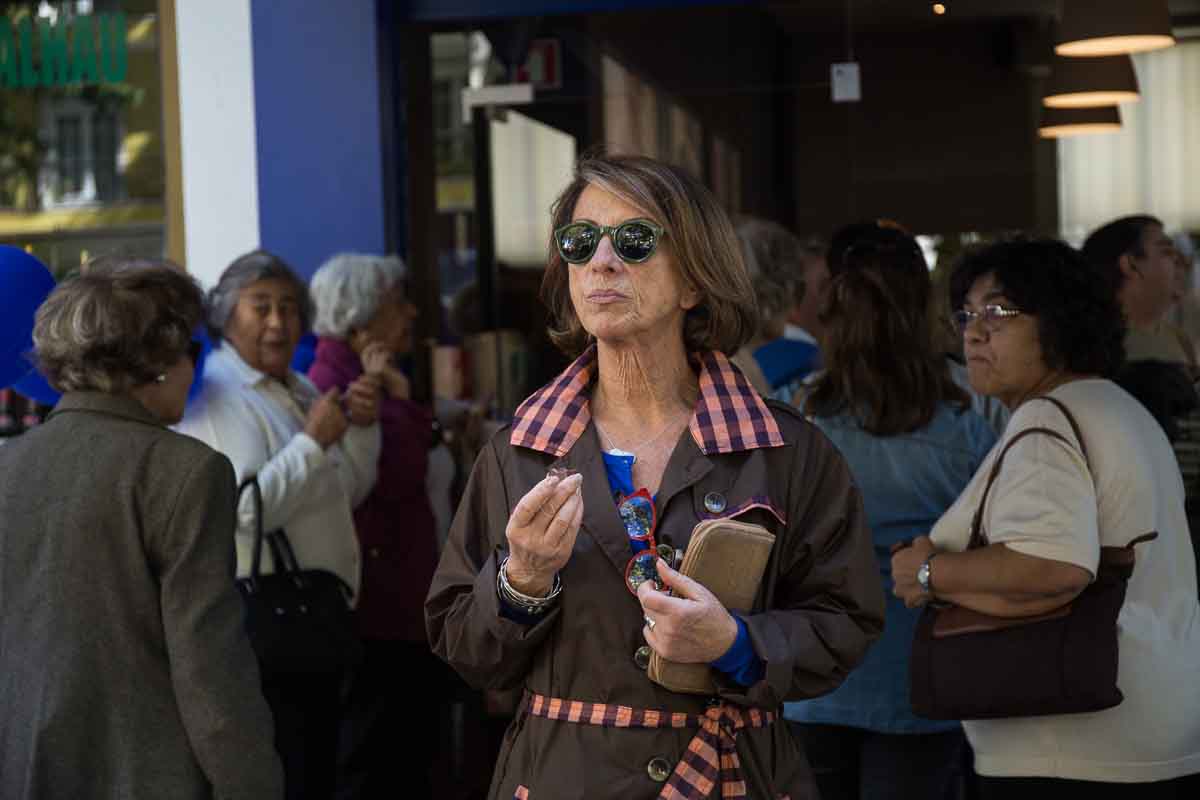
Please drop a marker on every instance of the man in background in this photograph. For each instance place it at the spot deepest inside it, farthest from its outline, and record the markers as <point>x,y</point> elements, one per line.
<point>1137,258</point>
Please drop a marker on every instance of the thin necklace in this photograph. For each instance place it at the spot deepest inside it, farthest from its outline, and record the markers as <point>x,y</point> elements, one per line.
<point>612,445</point>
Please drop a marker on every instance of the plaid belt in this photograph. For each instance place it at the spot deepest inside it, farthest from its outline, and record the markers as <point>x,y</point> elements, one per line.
<point>710,756</point>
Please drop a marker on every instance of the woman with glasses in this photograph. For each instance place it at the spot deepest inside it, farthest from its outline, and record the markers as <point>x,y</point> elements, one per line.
<point>887,400</point>
<point>315,456</point>
<point>554,578</point>
<point>124,667</point>
<point>1037,323</point>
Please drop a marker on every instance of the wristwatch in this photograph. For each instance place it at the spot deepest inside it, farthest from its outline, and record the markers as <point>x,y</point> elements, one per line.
<point>925,575</point>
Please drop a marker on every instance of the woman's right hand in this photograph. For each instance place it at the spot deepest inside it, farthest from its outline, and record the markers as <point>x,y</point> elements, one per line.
<point>326,422</point>
<point>377,360</point>
<point>541,534</point>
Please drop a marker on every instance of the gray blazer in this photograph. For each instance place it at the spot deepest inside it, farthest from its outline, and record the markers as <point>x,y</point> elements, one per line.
<point>125,671</point>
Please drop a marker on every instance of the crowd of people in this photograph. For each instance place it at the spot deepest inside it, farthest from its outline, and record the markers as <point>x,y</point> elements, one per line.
<point>725,371</point>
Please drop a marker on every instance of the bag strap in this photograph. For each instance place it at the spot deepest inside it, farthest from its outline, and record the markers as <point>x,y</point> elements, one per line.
<point>1127,550</point>
<point>281,548</point>
<point>256,492</point>
<point>978,538</point>
<point>285,556</point>
<point>1066,412</point>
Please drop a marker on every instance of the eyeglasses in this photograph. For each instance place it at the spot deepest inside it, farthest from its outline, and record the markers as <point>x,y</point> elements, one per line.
<point>194,351</point>
<point>634,240</point>
<point>991,315</point>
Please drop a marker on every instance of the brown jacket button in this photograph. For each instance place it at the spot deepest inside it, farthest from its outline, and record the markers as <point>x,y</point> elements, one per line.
<point>641,656</point>
<point>659,769</point>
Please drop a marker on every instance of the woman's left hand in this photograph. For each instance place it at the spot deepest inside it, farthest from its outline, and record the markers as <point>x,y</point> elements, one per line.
<point>362,399</point>
<point>690,626</point>
<point>905,563</point>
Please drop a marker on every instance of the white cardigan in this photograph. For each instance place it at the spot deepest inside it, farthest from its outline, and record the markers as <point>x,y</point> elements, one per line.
<point>258,422</point>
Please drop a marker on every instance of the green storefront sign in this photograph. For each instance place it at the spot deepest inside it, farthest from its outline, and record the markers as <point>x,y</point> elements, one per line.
<point>81,51</point>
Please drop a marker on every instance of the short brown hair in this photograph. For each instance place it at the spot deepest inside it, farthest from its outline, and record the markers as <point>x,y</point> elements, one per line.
<point>112,329</point>
<point>701,238</point>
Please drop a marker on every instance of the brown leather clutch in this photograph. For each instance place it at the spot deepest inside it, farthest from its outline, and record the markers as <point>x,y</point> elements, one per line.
<point>727,558</point>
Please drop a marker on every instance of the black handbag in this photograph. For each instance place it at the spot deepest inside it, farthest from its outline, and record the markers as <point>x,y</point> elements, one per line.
<point>970,665</point>
<point>298,620</point>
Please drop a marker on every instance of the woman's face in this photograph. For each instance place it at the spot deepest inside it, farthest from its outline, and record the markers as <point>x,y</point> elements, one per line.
<point>392,325</point>
<point>264,327</point>
<point>1004,357</point>
<point>625,303</point>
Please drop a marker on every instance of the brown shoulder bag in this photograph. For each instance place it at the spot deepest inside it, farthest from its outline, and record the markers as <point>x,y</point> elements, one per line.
<point>969,665</point>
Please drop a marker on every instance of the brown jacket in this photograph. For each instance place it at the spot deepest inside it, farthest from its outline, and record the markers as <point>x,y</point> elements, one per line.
<point>819,608</point>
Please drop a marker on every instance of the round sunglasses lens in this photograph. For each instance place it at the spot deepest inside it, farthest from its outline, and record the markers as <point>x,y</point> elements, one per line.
<point>641,568</point>
<point>635,241</point>
<point>576,243</point>
<point>638,515</point>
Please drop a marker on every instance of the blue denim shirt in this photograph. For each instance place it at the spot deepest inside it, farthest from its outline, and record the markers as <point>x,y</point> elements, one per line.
<point>907,482</point>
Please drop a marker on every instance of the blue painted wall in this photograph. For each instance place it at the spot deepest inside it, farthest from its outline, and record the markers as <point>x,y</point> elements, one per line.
<point>316,94</point>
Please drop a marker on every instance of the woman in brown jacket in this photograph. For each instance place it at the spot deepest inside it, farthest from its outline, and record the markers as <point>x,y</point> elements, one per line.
<point>645,280</point>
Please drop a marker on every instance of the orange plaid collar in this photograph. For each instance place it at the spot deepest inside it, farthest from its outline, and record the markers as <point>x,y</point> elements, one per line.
<point>729,415</point>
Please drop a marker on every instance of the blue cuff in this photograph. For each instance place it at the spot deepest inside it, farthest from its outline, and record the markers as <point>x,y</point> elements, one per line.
<point>740,662</point>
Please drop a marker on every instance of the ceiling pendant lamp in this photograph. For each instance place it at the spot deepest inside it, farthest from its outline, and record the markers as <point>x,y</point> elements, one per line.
<point>1109,27</point>
<point>1060,122</point>
<point>1090,82</point>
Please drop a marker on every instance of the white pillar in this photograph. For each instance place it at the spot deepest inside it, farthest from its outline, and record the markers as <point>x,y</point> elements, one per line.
<point>217,133</point>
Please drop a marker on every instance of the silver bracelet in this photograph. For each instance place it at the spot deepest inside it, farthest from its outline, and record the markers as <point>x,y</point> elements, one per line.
<point>523,602</point>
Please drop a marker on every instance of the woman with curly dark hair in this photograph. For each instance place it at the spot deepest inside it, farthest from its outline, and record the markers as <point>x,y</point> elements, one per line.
<point>1043,335</point>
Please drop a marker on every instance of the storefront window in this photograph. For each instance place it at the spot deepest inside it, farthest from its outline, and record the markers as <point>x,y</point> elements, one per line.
<point>81,152</point>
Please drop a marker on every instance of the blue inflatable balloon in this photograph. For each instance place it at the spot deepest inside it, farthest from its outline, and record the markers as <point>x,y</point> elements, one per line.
<point>306,353</point>
<point>24,285</point>
<point>35,387</point>
<point>206,347</point>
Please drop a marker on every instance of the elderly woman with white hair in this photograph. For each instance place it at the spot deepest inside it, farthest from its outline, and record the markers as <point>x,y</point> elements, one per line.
<point>364,321</point>
<point>315,457</point>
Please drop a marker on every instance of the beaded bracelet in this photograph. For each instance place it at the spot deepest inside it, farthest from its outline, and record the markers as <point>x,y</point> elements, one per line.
<point>523,602</point>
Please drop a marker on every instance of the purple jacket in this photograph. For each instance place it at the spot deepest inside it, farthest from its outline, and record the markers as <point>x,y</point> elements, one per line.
<point>395,524</point>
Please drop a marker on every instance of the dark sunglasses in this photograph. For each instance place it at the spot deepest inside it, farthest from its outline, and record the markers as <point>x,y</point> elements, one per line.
<point>194,350</point>
<point>633,240</point>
